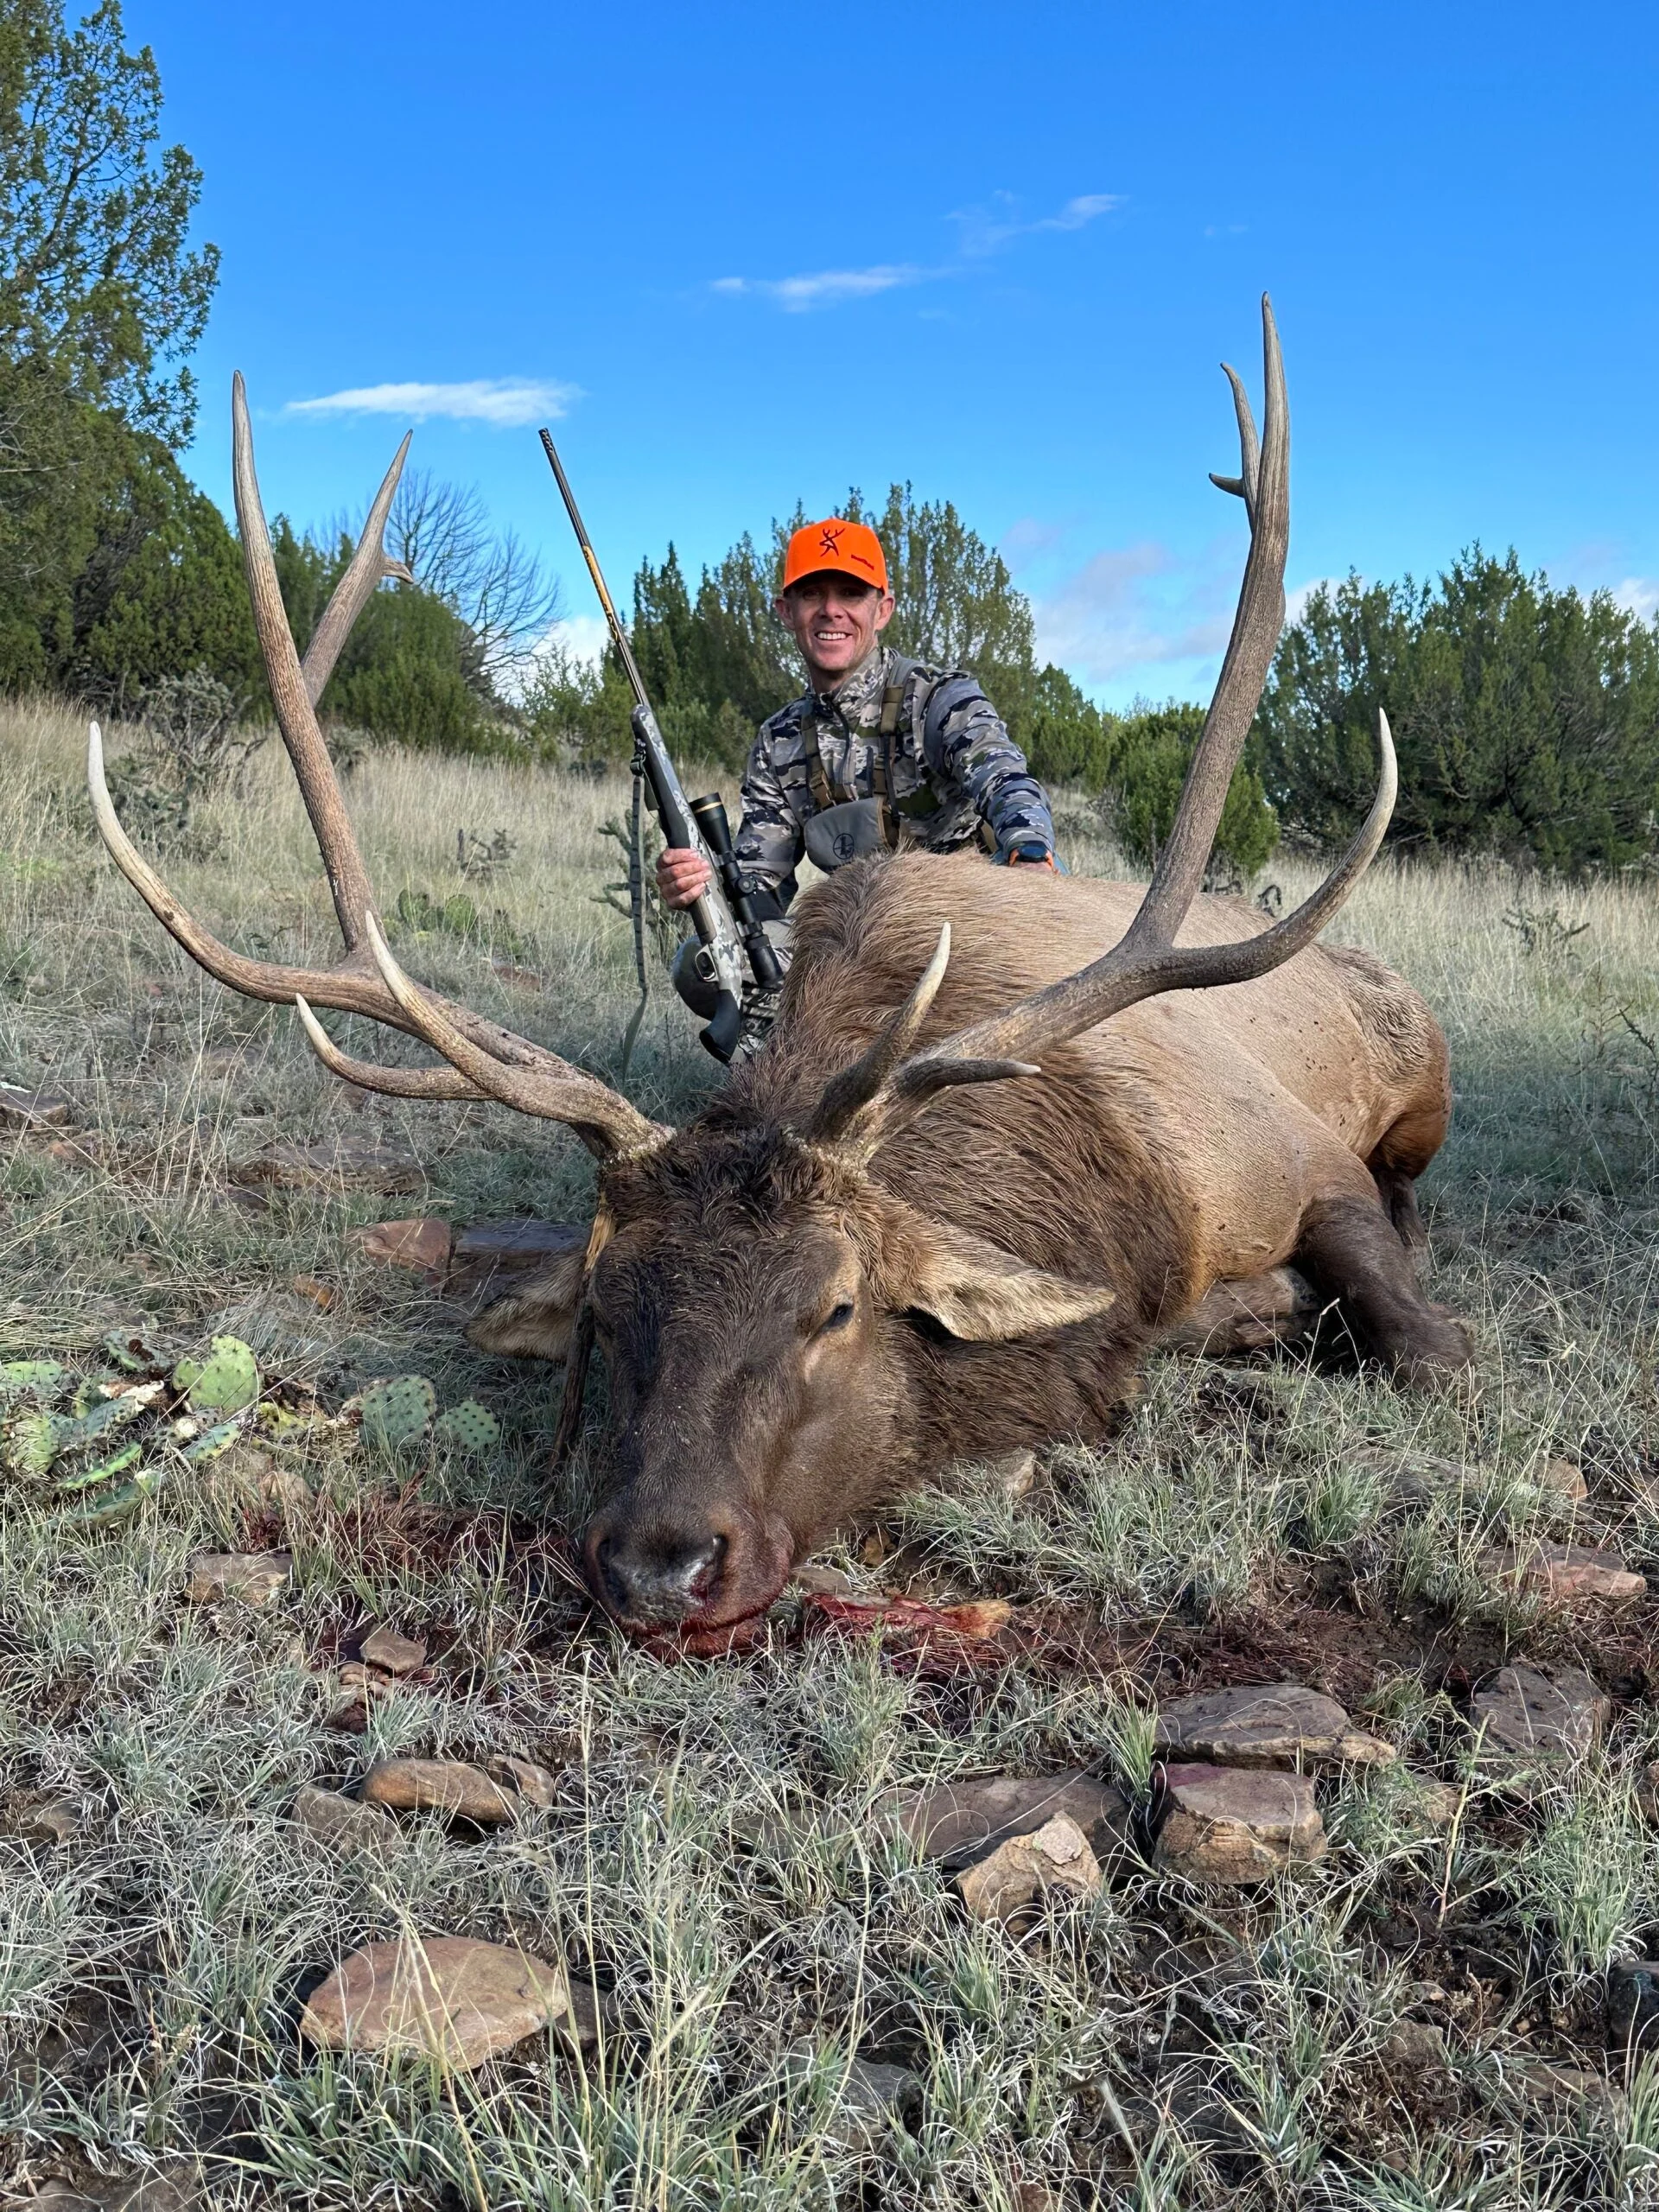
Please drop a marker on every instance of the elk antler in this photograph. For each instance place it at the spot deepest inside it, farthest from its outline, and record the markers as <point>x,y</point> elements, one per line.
<point>486,1061</point>
<point>863,1106</point>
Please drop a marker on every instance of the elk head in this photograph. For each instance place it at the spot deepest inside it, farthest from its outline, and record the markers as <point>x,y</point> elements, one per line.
<point>757,1296</point>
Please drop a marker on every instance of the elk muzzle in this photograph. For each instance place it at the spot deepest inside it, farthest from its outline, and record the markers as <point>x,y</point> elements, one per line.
<point>653,1568</point>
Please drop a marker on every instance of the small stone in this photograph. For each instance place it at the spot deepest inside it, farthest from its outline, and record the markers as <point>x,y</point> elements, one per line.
<point>56,1822</point>
<point>439,1785</point>
<point>392,1653</point>
<point>1226,1825</point>
<point>536,1785</point>
<point>345,1824</point>
<point>823,1581</point>
<point>1565,1478</point>
<point>422,1245</point>
<point>344,1160</point>
<point>1279,1725</point>
<point>1524,1711</point>
<point>254,1577</point>
<point>351,1716</point>
<point>1026,1868</point>
<point>872,2097</point>
<point>1414,2049</point>
<point>447,1997</point>
<point>958,1819</point>
<point>1436,1803</point>
<point>1544,2082</point>
<point>1564,1573</point>
<point>1014,1475</point>
<point>322,1295</point>
<point>21,1108</point>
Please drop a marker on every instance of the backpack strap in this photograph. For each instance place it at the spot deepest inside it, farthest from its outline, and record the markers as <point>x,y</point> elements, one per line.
<point>892,702</point>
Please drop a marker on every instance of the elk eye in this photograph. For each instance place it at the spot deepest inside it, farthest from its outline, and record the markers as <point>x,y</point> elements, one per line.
<point>837,1317</point>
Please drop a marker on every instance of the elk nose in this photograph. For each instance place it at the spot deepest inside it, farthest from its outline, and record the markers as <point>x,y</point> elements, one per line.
<point>663,1579</point>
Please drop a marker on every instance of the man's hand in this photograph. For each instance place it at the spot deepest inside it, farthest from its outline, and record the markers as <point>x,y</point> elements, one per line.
<point>683,876</point>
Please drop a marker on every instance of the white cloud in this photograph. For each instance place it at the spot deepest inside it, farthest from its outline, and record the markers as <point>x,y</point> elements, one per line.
<point>503,402</point>
<point>1640,594</point>
<point>983,234</point>
<point>829,287</point>
<point>1133,608</point>
<point>1296,600</point>
<point>579,637</point>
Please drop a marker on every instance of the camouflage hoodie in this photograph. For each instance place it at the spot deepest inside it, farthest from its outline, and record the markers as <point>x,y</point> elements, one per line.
<point>954,767</point>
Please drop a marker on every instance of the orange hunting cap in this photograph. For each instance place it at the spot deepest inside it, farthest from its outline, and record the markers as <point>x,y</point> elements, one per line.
<point>852,548</point>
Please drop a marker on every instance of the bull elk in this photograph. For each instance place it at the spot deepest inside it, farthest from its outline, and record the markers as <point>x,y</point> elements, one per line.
<point>982,1164</point>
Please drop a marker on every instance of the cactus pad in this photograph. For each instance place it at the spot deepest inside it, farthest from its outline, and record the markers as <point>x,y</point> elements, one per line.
<point>224,1382</point>
<point>213,1441</point>
<point>30,1378</point>
<point>132,1352</point>
<point>468,1428</point>
<point>397,1411</point>
<point>89,1477</point>
<point>34,1441</point>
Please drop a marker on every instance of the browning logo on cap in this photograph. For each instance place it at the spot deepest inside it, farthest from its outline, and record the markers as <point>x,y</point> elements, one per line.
<point>851,548</point>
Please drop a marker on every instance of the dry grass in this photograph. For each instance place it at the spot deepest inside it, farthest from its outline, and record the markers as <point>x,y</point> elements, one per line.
<point>1158,2047</point>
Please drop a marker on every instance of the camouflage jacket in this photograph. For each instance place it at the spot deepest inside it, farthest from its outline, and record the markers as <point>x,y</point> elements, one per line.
<point>954,768</point>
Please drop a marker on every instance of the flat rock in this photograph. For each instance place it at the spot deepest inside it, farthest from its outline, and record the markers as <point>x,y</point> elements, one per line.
<point>52,1821</point>
<point>1565,1478</point>
<point>1015,1474</point>
<point>536,1785</point>
<point>1026,1868</point>
<point>1564,1573</point>
<point>422,1244</point>
<point>1539,1716</point>
<point>871,2097</point>
<point>1230,1825</point>
<point>23,1108</point>
<point>1280,1724</point>
<point>957,1820</point>
<point>344,1160</point>
<point>345,1824</point>
<point>1414,2049</point>
<point>446,1998</point>
<point>824,1581</point>
<point>392,1653</point>
<point>439,1786</point>
<point>254,1577</point>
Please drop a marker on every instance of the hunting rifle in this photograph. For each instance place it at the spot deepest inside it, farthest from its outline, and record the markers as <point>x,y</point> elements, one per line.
<point>728,927</point>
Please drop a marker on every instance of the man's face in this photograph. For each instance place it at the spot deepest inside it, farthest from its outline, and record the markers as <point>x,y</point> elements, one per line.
<point>835,620</point>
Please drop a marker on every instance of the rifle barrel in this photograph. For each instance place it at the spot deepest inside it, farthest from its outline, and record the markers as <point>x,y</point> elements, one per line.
<point>618,635</point>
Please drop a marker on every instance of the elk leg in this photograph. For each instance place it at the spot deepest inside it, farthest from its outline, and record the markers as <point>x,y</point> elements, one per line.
<point>1350,1249</point>
<point>1399,1195</point>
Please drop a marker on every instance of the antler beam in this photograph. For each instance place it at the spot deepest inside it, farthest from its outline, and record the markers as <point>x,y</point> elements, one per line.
<point>485,1060</point>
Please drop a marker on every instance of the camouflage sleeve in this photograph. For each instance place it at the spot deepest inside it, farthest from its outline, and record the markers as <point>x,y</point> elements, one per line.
<point>966,746</point>
<point>769,842</point>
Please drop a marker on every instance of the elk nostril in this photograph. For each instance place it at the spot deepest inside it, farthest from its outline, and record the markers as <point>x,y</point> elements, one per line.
<point>703,1566</point>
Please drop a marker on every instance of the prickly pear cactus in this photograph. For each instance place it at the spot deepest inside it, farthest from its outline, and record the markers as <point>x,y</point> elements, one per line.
<point>102,1470</point>
<point>224,1382</point>
<point>468,1428</point>
<point>132,1352</point>
<point>34,1441</point>
<point>395,1412</point>
<point>30,1378</point>
<point>213,1441</point>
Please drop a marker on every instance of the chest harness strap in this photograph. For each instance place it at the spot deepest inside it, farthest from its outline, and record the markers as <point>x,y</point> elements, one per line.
<point>826,794</point>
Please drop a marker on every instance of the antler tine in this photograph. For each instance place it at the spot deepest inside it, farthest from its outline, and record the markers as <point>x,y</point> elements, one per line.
<point>601,1117</point>
<point>1242,486</point>
<point>854,1086</point>
<point>368,569</point>
<point>1257,624</point>
<point>348,879</point>
<point>369,1075</point>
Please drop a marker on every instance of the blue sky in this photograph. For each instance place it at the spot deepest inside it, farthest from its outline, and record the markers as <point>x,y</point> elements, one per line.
<point>748,254</point>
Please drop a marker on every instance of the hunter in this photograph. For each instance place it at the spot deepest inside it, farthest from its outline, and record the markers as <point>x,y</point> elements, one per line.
<point>879,750</point>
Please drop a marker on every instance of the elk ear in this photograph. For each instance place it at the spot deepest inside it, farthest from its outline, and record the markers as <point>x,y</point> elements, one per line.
<point>535,1320</point>
<point>977,1291</point>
